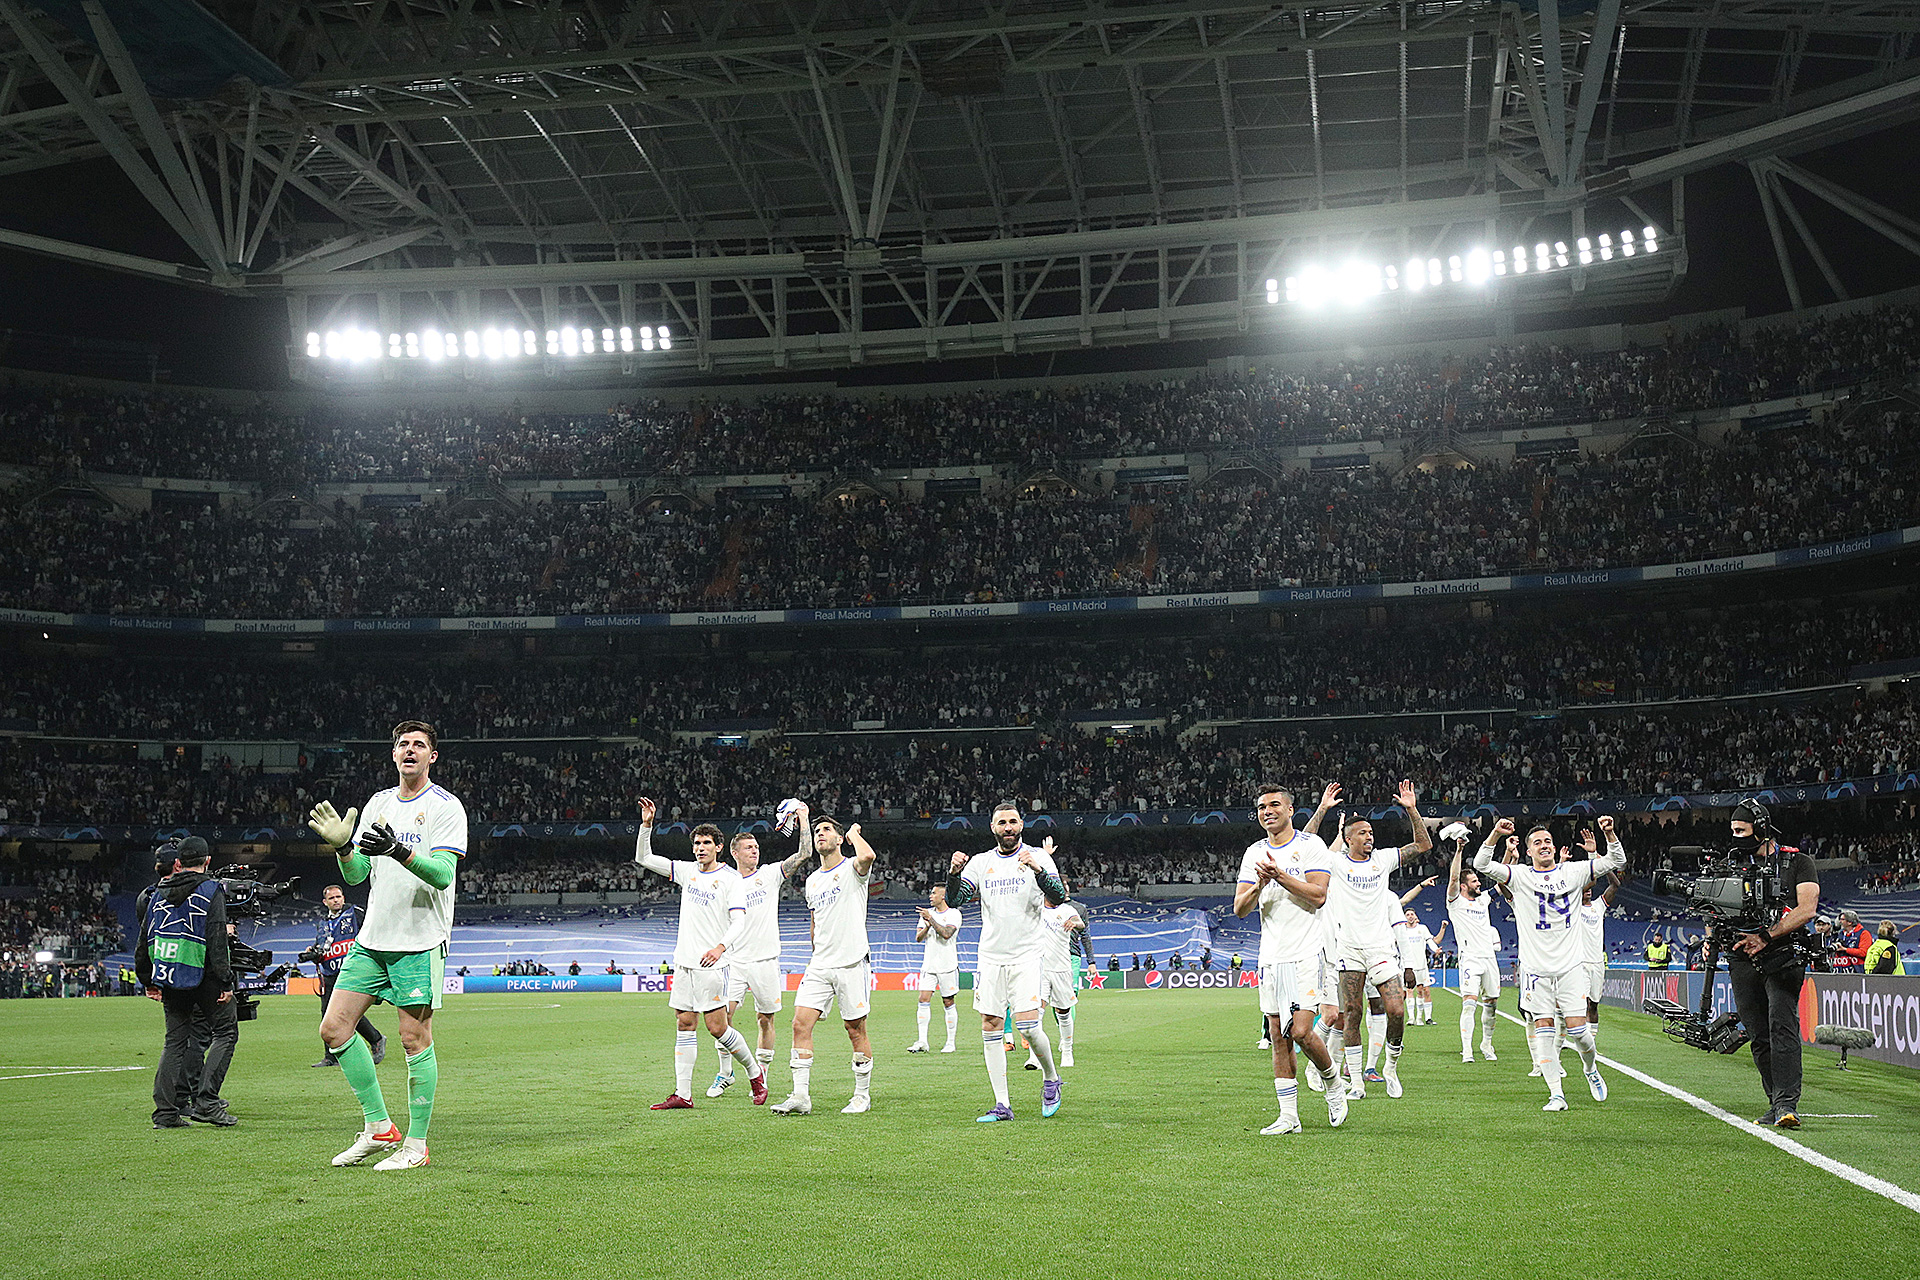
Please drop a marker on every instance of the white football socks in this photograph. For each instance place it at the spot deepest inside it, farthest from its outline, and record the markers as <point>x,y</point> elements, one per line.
<point>686,1052</point>
<point>953,1023</point>
<point>996,1047</point>
<point>923,1017</point>
<point>1042,1047</point>
<point>734,1045</point>
<point>802,1064</point>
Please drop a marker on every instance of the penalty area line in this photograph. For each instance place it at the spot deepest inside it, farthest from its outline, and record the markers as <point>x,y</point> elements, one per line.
<point>1773,1137</point>
<point>64,1071</point>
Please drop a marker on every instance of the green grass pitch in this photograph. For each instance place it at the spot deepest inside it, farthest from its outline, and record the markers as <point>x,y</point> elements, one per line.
<point>546,1161</point>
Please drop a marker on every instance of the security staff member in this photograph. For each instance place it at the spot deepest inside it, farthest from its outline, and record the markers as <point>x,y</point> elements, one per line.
<point>1884,955</point>
<point>1659,953</point>
<point>183,961</point>
<point>1768,968</point>
<point>331,939</point>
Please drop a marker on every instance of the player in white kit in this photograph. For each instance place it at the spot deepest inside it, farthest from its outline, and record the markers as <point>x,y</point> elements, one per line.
<point>1286,874</point>
<point>1066,931</point>
<point>1413,940</point>
<point>755,968</point>
<point>939,931</point>
<point>1546,896</point>
<point>1478,943</point>
<point>713,920</point>
<point>840,969</point>
<point>1360,903</point>
<point>1013,883</point>
<point>1593,937</point>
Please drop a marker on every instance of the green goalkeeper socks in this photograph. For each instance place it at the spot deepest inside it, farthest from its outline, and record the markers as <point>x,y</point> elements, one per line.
<point>423,1080</point>
<point>356,1064</point>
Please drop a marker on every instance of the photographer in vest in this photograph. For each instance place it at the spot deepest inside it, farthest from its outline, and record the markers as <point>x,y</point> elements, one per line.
<point>183,961</point>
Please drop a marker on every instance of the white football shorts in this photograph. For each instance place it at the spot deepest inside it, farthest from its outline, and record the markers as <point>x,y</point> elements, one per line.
<point>1378,963</point>
<point>1289,987</point>
<point>946,985</point>
<point>1596,981</point>
<point>1545,994</point>
<point>998,987</point>
<point>1057,989</point>
<point>1479,978</point>
<point>761,978</point>
<point>697,990</point>
<point>850,984</point>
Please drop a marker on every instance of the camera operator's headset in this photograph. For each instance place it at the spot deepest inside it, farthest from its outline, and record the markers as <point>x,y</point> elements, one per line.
<point>1751,810</point>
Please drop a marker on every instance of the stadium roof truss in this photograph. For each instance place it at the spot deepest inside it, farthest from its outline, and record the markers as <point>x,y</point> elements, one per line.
<point>793,185</point>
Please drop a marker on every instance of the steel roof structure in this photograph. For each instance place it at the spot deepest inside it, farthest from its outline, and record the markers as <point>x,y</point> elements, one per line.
<point>795,185</point>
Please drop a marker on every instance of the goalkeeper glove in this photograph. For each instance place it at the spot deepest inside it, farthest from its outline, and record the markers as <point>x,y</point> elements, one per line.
<point>379,842</point>
<point>331,827</point>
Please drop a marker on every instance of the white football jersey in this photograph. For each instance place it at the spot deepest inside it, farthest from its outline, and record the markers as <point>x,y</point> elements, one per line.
<point>1478,939</point>
<point>404,912</point>
<point>708,900</point>
<point>1593,931</point>
<point>1056,941</point>
<point>1363,907</point>
<point>760,895</point>
<point>1011,930</point>
<point>838,900</point>
<point>1290,930</point>
<point>938,954</point>
<point>1413,940</point>
<point>1544,912</point>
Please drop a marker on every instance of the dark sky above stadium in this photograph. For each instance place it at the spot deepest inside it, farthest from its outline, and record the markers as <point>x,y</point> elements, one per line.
<point>131,326</point>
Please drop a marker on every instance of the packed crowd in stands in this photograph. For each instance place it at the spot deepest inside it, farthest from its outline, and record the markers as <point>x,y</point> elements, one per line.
<point>56,907</point>
<point>1356,399</point>
<point>1786,490</point>
<point>1589,755</point>
<point>1517,661</point>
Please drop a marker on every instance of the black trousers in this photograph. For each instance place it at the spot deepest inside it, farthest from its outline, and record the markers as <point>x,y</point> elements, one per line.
<point>1769,1008</point>
<point>368,1032</point>
<point>180,1083</point>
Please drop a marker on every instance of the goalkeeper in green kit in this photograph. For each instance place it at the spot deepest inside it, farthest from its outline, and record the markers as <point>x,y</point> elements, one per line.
<point>406,845</point>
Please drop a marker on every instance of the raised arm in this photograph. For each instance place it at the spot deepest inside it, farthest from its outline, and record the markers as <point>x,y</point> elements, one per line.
<point>1453,871</point>
<point>643,843</point>
<point>1329,797</point>
<point>1615,858</point>
<point>926,923</point>
<point>960,890</point>
<point>1408,800</point>
<point>863,853</point>
<point>1615,880</point>
<point>805,849</point>
<point>1483,860</point>
<point>1406,899</point>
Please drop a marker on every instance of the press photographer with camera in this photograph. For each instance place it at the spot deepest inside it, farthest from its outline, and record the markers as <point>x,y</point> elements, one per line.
<point>1768,965</point>
<point>183,960</point>
<point>332,939</point>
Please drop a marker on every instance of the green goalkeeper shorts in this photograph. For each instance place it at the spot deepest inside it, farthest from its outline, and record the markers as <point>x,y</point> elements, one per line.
<point>406,979</point>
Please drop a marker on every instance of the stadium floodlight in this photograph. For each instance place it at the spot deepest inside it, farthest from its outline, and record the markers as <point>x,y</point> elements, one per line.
<point>313,346</point>
<point>490,344</point>
<point>666,339</point>
<point>1626,242</point>
<point>413,346</point>
<point>646,337</point>
<point>606,340</point>
<point>1478,268</point>
<point>1585,246</point>
<point>1293,288</point>
<point>553,342</point>
<point>1519,259</point>
<point>473,345</point>
<point>1649,238</point>
<point>510,343</point>
<point>43,957</point>
<point>1416,274</point>
<point>569,340</point>
<point>1542,256</point>
<point>586,342</point>
<point>1273,293</point>
<point>1433,271</point>
<point>1499,262</point>
<point>1455,271</point>
<point>431,344</point>
<point>1559,253</point>
<point>1606,247</point>
<point>626,337</point>
<point>1393,278</point>
<point>530,342</point>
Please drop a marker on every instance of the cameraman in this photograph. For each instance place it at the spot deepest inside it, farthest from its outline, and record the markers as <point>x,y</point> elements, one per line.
<point>183,961</point>
<point>1768,966</point>
<point>332,938</point>
<point>1851,943</point>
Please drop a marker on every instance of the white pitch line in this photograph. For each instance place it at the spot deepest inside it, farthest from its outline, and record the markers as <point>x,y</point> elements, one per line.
<point>68,1071</point>
<point>1845,1172</point>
